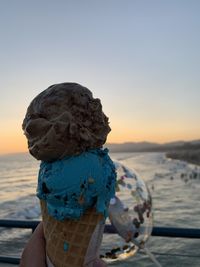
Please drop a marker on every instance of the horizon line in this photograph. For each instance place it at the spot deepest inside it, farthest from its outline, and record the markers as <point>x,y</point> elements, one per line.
<point>114,143</point>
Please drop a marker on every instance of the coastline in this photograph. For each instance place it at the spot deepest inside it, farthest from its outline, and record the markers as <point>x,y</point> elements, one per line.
<point>190,156</point>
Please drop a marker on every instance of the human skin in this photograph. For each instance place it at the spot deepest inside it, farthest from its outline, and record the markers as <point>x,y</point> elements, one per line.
<point>34,253</point>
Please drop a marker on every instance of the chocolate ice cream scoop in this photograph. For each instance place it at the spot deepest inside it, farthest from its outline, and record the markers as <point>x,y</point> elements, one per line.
<point>64,120</point>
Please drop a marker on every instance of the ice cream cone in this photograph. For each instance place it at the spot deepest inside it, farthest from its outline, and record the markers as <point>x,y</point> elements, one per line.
<point>67,241</point>
<point>66,129</point>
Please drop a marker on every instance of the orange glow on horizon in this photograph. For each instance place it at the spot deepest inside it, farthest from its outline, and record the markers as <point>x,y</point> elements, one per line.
<point>15,142</point>
<point>12,139</point>
<point>159,135</point>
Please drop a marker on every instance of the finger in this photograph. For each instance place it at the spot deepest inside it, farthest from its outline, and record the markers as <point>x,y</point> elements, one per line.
<point>100,263</point>
<point>34,253</point>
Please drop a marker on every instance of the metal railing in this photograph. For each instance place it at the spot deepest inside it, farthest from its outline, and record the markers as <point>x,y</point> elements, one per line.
<point>109,229</point>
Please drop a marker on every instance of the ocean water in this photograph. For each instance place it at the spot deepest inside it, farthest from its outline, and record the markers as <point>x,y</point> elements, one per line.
<point>174,186</point>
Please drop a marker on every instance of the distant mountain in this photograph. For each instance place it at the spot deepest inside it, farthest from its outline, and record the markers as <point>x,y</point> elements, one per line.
<point>152,147</point>
<point>131,146</point>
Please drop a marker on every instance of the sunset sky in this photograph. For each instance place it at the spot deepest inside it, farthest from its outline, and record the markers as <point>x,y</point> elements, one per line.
<point>140,57</point>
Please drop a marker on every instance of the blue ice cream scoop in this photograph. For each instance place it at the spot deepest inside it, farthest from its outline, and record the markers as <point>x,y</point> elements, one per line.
<point>73,184</point>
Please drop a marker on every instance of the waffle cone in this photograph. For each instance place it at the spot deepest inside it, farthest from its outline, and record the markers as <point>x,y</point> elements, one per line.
<point>67,241</point>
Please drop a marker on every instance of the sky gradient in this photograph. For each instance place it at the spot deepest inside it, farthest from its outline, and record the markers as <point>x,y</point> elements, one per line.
<point>141,58</point>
